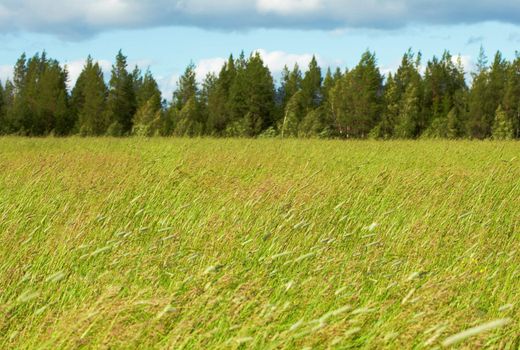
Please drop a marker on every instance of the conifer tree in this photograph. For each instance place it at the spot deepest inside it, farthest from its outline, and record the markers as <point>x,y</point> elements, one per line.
<point>121,103</point>
<point>218,116</point>
<point>259,96</point>
<point>3,126</point>
<point>148,119</point>
<point>18,114</point>
<point>311,86</point>
<point>7,105</point>
<point>89,100</point>
<point>391,111</point>
<point>291,83</point>
<point>511,101</point>
<point>292,113</point>
<point>237,101</point>
<point>444,79</point>
<point>185,110</point>
<point>502,127</point>
<point>477,120</point>
<point>409,113</point>
<point>207,94</point>
<point>362,94</point>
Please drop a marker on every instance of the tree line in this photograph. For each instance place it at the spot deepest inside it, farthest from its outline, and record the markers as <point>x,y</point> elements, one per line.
<point>431,100</point>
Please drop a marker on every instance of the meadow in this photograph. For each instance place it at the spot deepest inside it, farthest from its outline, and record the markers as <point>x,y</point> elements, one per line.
<point>259,244</point>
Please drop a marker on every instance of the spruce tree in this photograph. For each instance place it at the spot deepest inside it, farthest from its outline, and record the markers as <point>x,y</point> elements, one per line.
<point>291,120</point>
<point>311,86</point>
<point>121,103</point>
<point>237,101</point>
<point>259,96</point>
<point>366,93</point>
<point>409,113</point>
<point>386,127</point>
<point>3,126</point>
<point>291,84</point>
<point>477,121</point>
<point>207,94</point>
<point>443,81</point>
<point>185,111</point>
<point>511,101</point>
<point>218,114</point>
<point>8,102</point>
<point>89,100</point>
<point>148,119</point>
<point>19,113</point>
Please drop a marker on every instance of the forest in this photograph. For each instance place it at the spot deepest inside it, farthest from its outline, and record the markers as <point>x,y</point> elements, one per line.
<point>436,99</point>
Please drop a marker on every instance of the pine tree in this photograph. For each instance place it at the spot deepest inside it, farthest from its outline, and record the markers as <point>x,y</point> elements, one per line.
<point>502,126</point>
<point>148,119</point>
<point>53,100</point>
<point>185,110</point>
<point>386,127</point>
<point>218,116</point>
<point>291,84</point>
<point>311,87</point>
<point>477,121</point>
<point>237,101</point>
<point>121,103</point>
<point>3,122</point>
<point>18,114</point>
<point>8,102</point>
<point>444,79</point>
<point>325,110</point>
<point>407,120</point>
<point>291,120</point>
<point>89,100</point>
<point>208,96</point>
<point>511,101</point>
<point>366,85</point>
<point>260,96</point>
<point>40,99</point>
<point>146,88</point>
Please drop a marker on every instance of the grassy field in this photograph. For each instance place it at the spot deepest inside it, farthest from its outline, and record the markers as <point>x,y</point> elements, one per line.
<point>259,244</point>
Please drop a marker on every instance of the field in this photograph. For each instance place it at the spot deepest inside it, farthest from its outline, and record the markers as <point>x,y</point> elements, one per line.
<point>259,244</point>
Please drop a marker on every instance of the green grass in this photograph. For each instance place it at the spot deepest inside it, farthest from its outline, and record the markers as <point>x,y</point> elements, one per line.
<point>259,244</point>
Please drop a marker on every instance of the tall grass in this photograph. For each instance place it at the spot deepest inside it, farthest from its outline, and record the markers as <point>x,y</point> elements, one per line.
<point>261,244</point>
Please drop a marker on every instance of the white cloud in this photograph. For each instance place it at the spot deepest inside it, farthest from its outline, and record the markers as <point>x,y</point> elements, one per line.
<point>276,60</point>
<point>210,65</point>
<point>168,84</point>
<point>466,61</point>
<point>288,7</point>
<point>74,69</point>
<point>6,72</point>
<point>80,18</point>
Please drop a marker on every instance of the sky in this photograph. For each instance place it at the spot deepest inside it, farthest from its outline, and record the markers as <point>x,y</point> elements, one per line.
<point>166,35</point>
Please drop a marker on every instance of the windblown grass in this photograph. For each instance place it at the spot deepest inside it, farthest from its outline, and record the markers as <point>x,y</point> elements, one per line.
<point>261,244</point>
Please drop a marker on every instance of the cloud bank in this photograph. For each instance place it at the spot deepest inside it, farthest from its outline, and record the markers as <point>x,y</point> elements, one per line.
<point>79,18</point>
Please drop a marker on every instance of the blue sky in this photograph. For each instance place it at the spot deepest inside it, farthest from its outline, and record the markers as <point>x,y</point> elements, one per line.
<point>167,34</point>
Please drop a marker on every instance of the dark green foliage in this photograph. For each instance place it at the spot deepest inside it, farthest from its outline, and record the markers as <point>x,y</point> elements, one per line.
<point>243,101</point>
<point>356,100</point>
<point>219,100</point>
<point>2,109</point>
<point>122,102</point>
<point>511,101</point>
<point>148,119</point>
<point>185,112</point>
<point>444,82</point>
<point>88,102</point>
<point>502,127</point>
<point>311,87</point>
<point>40,99</point>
